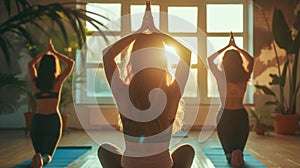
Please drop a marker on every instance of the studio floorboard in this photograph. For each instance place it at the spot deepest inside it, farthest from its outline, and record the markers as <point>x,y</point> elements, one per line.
<point>273,150</point>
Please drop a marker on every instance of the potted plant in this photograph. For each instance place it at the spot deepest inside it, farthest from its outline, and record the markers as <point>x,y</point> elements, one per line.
<point>9,79</point>
<point>64,17</point>
<point>286,80</point>
<point>260,116</point>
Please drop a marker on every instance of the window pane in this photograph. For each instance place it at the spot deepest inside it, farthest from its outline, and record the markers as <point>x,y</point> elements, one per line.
<point>212,89</point>
<point>97,85</point>
<point>137,14</point>
<point>191,88</point>
<point>110,10</point>
<point>94,47</point>
<point>182,19</point>
<point>224,17</point>
<point>192,44</point>
<point>216,43</point>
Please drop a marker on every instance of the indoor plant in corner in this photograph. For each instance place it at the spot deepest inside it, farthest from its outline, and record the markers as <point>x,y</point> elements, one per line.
<point>260,116</point>
<point>288,39</point>
<point>9,79</point>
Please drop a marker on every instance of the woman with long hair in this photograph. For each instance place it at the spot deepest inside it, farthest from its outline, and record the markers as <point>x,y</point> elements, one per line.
<point>148,100</point>
<point>233,121</point>
<point>47,81</point>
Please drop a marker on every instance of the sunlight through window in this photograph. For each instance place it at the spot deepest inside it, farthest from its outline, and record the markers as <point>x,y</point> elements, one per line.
<point>225,17</point>
<point>112,11</point>
<point>172,58</point>
<point>137,14</point>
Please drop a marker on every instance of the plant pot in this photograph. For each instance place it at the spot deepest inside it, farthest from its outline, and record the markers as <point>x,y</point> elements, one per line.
<point>28,118</point>
<point>286,124</point>
<point>260,130</point>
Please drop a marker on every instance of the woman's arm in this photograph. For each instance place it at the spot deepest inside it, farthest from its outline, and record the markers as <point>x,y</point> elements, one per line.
<point>32,65</point>
<point>65,60</point>
<point>213,67</point>
<point>248,58</point>
<point>111,52</point>
<point>244,54</point>
<point>183,68</point>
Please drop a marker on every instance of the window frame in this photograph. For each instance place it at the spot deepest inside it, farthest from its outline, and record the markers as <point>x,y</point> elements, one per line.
<point>203,98</point>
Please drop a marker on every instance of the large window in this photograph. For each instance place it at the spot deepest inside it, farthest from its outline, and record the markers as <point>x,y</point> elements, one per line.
<point>203,26</point>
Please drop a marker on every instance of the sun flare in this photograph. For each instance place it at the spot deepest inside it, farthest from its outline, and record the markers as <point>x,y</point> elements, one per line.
<point>172,58</point>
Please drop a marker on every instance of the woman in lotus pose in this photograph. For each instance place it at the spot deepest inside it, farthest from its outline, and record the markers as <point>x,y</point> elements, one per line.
<point>233,122</point>
<point>147,120</point>
<point>47,81</point>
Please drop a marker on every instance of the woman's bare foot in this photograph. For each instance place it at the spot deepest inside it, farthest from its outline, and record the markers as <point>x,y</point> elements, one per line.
<point>237,160</point>
<point>240,157</point>
<point>37,161</point>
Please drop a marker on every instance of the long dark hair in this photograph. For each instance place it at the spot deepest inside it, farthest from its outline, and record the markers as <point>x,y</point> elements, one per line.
<point>148,49</point>
<point>46,72</point>
<point>233,67</point>
<point>147,79</point>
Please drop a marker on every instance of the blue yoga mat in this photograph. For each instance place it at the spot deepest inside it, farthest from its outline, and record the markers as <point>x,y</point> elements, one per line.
<point>181,134</point>
<point>63,156</point>
<point>217,157</point>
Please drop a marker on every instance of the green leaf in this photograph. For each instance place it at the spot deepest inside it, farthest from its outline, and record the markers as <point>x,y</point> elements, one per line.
<point>4,48</point>
<point>283,75</point>
<point>271,103</point>
<point>7,79</point>
<point>36,14</point>
<point>73,22</point>
<point>7,7</point>
<point>281,31</point>
<point>266,90</point>
<point>275,79</point>
<point>254,115</point>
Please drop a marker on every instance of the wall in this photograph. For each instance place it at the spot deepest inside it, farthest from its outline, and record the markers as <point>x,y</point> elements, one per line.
<point>264,55</point>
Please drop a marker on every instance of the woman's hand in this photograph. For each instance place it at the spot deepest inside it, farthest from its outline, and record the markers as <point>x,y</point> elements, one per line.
<point>232,41</point>
<point>147,26</point>
<point>50,46</point>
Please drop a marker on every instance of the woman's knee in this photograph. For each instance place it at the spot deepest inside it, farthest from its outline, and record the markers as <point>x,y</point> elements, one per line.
<point>103,149</point>
<point>183,156</point>
<point>108,149</point>
<point>188,149</point>
<point>109,156</point>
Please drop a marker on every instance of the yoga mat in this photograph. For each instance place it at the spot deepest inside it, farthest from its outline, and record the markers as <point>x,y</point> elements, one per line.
<point>180,134</point>
<point>217,157</point>
<point>63,156</point>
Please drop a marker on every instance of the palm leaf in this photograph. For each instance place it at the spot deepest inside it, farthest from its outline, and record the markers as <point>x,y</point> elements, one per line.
<point>73,22</point>
<point>7,79</point>
<point>56,12</point>
<point>271,103</point>
<point>7,7</point>
<point>4,47</point>
<point>281,31</point>
<point>266,90</point>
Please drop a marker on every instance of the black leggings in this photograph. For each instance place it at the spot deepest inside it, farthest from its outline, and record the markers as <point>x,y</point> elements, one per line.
<point>233,129</point>
<point>45,132</point>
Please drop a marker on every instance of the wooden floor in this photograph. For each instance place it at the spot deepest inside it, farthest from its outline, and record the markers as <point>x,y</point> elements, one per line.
<point>273,150</point>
